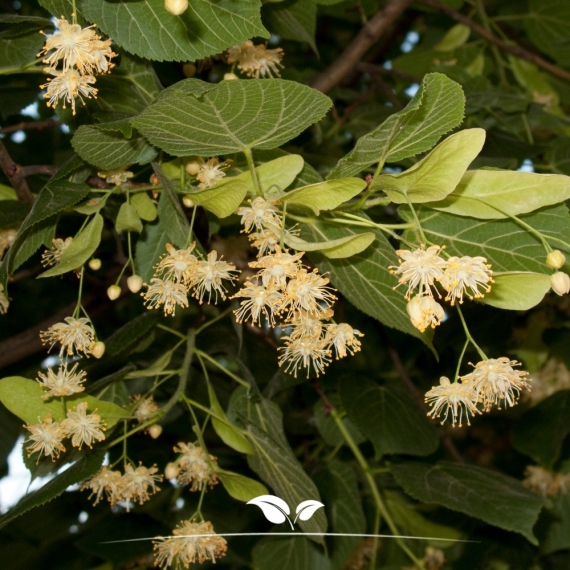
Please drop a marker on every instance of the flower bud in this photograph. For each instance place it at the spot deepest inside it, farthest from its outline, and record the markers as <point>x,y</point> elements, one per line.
<point>171,471</point>
<point>114,292</point>
<point>154,180</point>
<point>187,201</point>
<point>134,283</point>
<point>192,167</point>
<point>95,264</point>
<point>560,283</point>
<point>230,76</point>
<point>555,259</point>
<point>176,7</point>
<point>98,349</point>
<point>154,431</point>
<point>189,69</point>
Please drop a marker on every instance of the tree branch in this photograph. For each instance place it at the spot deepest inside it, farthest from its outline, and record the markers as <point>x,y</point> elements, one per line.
<point>28,125</point>
<point>38,169</point>
<point>14,175</point>
<point>517,51</point>
<point>368,35</point>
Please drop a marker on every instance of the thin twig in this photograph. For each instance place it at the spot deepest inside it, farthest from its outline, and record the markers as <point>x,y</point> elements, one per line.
<point>14,175</point>
<point>375,68</point>
<point>387,90</point>
<point>28,125</point>
<point>38,169</point>
<point>366,37</point>
<point>491,38</point>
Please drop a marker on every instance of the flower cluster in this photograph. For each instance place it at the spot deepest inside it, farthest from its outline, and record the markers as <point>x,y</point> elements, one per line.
<point>135,485</point>
<point>191,542</point>
<point>255,60</point>
<point>208,172</point>
<point>145,408</point>
<point>179,272</point>
<point>83,54</point>
<point>74,335</point>
<point>7,238</point>
<point>284,289</point>
<point>493,382</point>
<point>81,427</point>
<point>546,483</point>
<point>63,383</point>
<point>53,255</point>
<point>193,467</point>
<point>421,269</point>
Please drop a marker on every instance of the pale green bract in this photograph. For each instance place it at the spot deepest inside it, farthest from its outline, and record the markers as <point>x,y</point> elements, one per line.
<point>517,291</point>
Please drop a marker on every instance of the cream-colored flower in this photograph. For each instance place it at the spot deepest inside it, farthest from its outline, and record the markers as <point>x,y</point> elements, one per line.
<point>64,383</point>
<point>465,275</point>
<point>308,352</point>
<point>176,7</point>
<point>308,324</point>
<point>495,381</point>
<point>116,176</point>
<point>455,398</point>
<point>4,302</point>
<point>277,267</point>
<point>75,336</point>
<point>7,238</point>
<point>551,378</point>
<point>434,558</point>
<point>211,172</point>
<point>560,283</point>
<point>53,255</point>
<point>209,276</point>
<point>555,259</point>
<point>178,264</point>
<point>83,428</point>
<point>101,55</point>
<point>68,85</point>
<point>419,268</point>
<point>145,409</point>
<point>194,467</point>
<point>308,291</point>
<point>425,312</point>
<point>343,338</point>
<point>138,484</point>
<point>167,293</point>
<point>256,60</point>
<point>545,483</point>
<point>191,543</point>
<point>265,241</point>
<point>261,211</point>
<point>46,437</point>
<point>105,482</point>
<point>259,300</point>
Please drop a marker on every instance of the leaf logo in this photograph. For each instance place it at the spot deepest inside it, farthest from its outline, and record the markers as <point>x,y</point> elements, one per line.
<point>277,511</point>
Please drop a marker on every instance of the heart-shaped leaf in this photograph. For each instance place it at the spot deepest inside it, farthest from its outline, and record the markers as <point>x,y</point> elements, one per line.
<point>274,508</point>
<point>307,509</point>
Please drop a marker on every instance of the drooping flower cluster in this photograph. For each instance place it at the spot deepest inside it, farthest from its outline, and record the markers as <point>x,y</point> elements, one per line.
<point>179,272</point>
<point>83,54</point>
<point>288,293</point>
<point>193,467</point>
<point>210,172</point>
<point>63,383</point>
<point>81,427</point>
<point>546,483</point>
<point>75,336</point>
<point>421,269</point>
<point>135,485</point>
<point>191,542</point>
<point>493,382</point>
<point>256,60</point>
<point>145,408</point>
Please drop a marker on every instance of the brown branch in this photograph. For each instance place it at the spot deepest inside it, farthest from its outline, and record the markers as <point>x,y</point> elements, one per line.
<point>14,175</point>
<point>28,125</point>
<point>38,169</point>
<point>387,90</point>
<point>517,51</point>
<point>366,37</point>
<point>373,68</point>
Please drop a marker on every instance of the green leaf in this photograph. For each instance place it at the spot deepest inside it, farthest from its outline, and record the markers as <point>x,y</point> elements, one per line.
<point>506,245</point>
<point>156,367</point>
<point>436,175</point>
<point>239,487</point>
<point>206,28</point>
<point>128,219</point>
<point>20,39</point>
<point>389,417</point>
<point>436,109</point>
<point>557,536</point>
<point>170,211</point>
<point>81,248</point>
<point>364,279</point>
<point>542,430</point>
<point>485,194</point>
<point>81,470</point>
<point>12,212</point>
<point>274,460</point>
<point>93,205</point>
<point>150,246</point>
<point>329,430</point>
<point>454,38</point>
<point>39,234</point>
<point>108,149</point>
<point>228,434</point>
<point>517,291</point>
<point>7,193</point>
<point>481,493</point>
<point>232,116</point>
<point>144,206</point>
<point>295,553</point>
<point>125,337</point>
<point>292,20</point>
<point>324,195</point>
<point>548,27</point>
<point>224,198</point>
<point>23,398</point>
